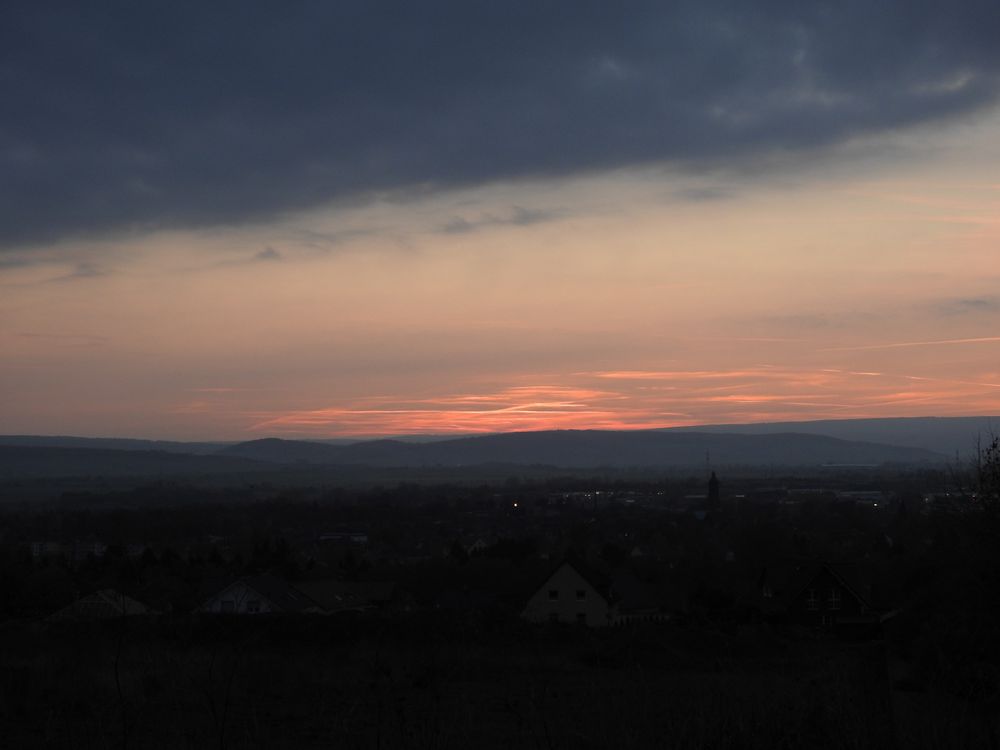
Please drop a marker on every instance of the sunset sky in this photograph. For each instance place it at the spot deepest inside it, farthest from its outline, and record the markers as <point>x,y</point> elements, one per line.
<point>384,218</point>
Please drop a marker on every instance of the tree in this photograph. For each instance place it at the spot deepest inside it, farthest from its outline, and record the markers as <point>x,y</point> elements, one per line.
<point>988,476</point>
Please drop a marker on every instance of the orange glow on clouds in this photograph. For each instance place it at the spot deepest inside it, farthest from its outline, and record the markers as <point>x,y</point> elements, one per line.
<point>519,408</point>
<point>908,344</point>
<point>831,394</point>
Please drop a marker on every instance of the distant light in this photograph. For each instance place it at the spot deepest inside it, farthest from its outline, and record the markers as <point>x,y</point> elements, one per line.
<point>515,505</point>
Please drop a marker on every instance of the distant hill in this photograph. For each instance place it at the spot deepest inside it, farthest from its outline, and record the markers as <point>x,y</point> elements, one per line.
<point>117,444</point>
<point>942,435</point>
<point>945,435</point>
<point>788,444</point>
<point>276,450</point>
<point>44,462</point>
<point>590,448</point>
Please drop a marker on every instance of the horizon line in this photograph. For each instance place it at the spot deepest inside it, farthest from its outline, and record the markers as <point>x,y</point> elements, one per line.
<point>462,434</point>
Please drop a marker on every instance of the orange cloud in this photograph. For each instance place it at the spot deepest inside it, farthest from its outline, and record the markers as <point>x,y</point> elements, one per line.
<point>517,408</point>
<point>907,344</point>
<point>775,394</point>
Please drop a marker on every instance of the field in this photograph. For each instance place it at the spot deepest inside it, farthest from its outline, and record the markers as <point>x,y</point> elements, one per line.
<point>430,684</point>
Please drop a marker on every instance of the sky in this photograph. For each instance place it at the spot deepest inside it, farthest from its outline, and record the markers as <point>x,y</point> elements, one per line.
<point>384,218</point>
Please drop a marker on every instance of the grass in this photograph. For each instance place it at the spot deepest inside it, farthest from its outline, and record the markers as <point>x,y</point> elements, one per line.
<point>316,683</point>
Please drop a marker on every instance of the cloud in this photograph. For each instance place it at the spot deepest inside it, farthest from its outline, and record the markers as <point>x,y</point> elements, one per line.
<point>268,254</point>
<point>911,344</point>
<point>617,400</point>
<point>537,407</point>
<point>325,241</point>
<point>16,262</point>
<point>970,305</point>
<point>66,338</point>
<point>82,270</point>
<point>188,114</point>
<point>518,216</point>
<point>701,194</point>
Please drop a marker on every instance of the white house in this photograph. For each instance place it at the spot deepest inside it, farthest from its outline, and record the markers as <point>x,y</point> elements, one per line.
<point>571,597</point>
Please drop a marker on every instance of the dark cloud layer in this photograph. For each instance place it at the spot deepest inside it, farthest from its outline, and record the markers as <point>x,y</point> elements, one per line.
<point>179,113</point>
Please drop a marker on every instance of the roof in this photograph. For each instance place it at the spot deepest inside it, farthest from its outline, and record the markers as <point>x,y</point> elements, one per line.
<point>788,579</point>
<point>282,596</point>
<point>854,580</point>
<point>598,580</point>
<point>102,605</point>
<point>340,596</point>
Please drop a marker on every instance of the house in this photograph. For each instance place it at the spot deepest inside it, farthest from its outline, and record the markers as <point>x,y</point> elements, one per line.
<point>267,594</point>
<point>46,549</point>
<point>258,595</point>
<point>571,596</point>
<point>477,547</point>
<point>105,604</point>
<point>819,595</point>
<point>644,552</point>
<point>79,551</point>
<point>87,549</point>
<point>352,538</point>
<point>354,596</point>
<point>574,593</point>
<point>333,596</point>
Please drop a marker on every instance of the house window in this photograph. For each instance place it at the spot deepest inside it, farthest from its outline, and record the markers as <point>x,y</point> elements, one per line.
<point>553,617</point>
<point>553,594</point>
<point>253,606</point>
<point>812,601</point>
<point>581,594</point>
<point>581,618</point>
<point>833,601</point>
<point>228,605</point>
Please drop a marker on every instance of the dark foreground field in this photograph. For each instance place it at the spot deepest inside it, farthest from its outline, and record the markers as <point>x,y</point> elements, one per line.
<point>317,682</point>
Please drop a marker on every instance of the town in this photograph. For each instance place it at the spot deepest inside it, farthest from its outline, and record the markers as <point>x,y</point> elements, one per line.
<point>734,582</point>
